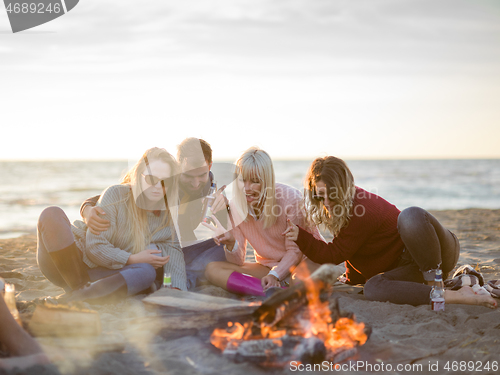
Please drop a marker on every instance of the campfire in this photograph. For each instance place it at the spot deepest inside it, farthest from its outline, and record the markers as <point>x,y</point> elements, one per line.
<point>295,324</point>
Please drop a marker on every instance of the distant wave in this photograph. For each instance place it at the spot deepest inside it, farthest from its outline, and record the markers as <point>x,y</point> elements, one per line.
<point>431,184</point>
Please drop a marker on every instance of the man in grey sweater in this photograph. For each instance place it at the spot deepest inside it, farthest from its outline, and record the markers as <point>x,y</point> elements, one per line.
<point>195,159</point>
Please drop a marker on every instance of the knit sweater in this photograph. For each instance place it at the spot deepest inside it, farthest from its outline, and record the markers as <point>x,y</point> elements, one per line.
<point>271,248</point>
<point>189,214</point>
<point>113,247</point>
<point>369,244</point>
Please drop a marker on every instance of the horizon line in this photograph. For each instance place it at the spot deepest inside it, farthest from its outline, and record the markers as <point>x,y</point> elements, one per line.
<point>225,160</point>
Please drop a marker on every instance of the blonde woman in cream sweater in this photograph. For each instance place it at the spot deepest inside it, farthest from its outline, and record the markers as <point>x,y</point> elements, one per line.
<point>125,259</point>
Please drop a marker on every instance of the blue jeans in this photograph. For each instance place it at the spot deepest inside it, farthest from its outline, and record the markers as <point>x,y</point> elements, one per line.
<point>54,233</point>
<point>197,257</point>
<point>428,246</point>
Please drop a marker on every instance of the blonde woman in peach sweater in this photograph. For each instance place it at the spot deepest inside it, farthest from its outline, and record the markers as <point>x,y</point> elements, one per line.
<point>259,211</point>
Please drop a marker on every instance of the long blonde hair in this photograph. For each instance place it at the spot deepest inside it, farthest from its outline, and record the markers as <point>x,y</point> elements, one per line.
<point>137,223</point>
<point>256,164</point>
<point>337,177</point>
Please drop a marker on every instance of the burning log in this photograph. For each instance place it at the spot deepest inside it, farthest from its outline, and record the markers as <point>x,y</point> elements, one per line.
<point>310,351</point>
<point>285,302</point>
<point>278,332</point>
<point>275,352</point>
<point>342,355</point>
<point>278,352</point>
<point>255,351</point>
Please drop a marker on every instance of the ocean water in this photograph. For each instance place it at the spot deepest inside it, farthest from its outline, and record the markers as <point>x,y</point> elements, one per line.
<point>26,188</point>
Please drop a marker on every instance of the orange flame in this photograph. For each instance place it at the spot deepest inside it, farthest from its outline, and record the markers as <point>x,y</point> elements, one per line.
<point>344,333</point>
<point>271,333</point>
<point>347,333</point>
<point>222,336</point>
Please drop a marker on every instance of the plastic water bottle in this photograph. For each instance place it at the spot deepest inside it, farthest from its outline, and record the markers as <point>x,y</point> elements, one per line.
<point>207,204</point>
<point>167,280</point>
<point>10,300</point>
<point>437,292</point>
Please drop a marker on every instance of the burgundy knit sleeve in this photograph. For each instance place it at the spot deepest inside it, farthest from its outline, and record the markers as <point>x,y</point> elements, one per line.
<point>343,246</point>
<point>316,250</point>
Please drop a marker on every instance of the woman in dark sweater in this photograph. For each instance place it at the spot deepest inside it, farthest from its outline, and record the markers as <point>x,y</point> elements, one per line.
<point>395,253</point>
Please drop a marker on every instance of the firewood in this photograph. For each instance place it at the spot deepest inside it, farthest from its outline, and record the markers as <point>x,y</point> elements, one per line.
<point>255,351</point>
<point>283,303</point>
<point>343,354</point>
<point>276,352</point>
<point>264,352</point>
<point>62,321</point>
<point>334,309</point>
<point>310,351</point>
<point>178,310</point>
<point>177,300</point>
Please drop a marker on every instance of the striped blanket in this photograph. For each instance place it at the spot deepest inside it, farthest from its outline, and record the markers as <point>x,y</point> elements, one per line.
<point>466,275</point>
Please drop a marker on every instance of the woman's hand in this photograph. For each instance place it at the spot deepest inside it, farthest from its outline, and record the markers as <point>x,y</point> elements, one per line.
<point>221,235</point>
<point>269,281</point>
<point>150,257</point>
<point>94,222</point>
<point>292,231</point>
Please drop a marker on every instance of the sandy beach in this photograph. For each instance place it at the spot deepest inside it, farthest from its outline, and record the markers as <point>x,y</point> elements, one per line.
<point>135,341</point>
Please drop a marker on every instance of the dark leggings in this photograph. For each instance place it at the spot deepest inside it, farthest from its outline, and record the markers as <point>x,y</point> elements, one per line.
<point>428,246</point>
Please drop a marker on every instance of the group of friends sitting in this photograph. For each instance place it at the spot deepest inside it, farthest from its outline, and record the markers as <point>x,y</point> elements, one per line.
<point>147,225</point>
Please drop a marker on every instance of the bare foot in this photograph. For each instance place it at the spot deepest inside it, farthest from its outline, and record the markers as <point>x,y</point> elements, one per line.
<point>25,361</point>
<point>466,296</point>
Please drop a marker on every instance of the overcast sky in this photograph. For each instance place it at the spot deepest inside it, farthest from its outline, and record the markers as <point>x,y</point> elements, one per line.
<point>299,78</point>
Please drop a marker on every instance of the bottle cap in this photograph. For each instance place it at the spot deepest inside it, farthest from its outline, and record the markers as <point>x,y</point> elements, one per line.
<point>10,288</point>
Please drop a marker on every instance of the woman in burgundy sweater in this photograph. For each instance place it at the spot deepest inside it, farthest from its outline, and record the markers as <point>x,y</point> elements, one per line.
<point>395,253</point>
